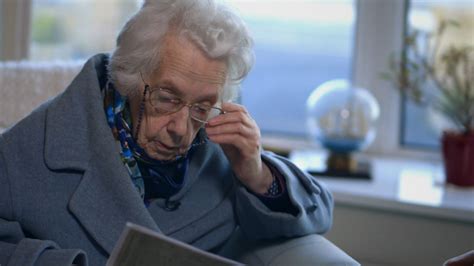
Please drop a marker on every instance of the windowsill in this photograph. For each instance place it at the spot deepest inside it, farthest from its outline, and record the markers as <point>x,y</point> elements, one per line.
<point>284,145</point>
<point>413,187</point>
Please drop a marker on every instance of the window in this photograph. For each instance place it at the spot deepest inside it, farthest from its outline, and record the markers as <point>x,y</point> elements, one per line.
<point>326,38</point>
<point>76,29</point>
<point>298,45</point>
<point>421,126</point>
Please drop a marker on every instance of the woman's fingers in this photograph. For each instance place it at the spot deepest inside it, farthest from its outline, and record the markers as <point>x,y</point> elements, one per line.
<point>229,128</point>
<point>231,117</point>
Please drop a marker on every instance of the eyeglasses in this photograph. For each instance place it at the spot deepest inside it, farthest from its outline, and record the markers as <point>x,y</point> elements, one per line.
<point>165,102</point>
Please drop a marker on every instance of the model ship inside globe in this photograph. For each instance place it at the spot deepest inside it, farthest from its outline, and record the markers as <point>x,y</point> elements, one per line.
<point>342,118</point>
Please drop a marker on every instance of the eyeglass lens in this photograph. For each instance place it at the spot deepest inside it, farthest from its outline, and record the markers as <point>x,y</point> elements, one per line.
<point>165,102</point>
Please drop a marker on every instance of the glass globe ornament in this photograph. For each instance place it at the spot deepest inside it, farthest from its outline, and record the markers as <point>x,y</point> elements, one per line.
<point>341,117</point>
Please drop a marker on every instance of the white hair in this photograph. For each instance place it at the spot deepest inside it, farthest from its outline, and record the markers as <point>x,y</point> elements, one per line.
<point>213,27</point>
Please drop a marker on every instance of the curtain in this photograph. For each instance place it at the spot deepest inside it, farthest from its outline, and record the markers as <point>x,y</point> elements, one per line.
<point>15,19</point>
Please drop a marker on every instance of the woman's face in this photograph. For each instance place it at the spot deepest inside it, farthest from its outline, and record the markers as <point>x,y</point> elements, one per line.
<point>187,74</point>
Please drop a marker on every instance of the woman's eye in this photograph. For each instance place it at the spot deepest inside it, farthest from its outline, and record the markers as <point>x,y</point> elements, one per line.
<point>170,100</point>
<point>201,109</point>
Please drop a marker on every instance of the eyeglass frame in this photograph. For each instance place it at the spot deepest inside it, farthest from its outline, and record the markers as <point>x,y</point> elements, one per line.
<point>181,104</point>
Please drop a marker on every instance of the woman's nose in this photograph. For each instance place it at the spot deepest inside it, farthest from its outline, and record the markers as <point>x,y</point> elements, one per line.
<point>180,121</point>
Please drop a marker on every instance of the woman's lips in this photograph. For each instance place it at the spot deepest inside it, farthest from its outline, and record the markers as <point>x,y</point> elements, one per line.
<point>165,148</point>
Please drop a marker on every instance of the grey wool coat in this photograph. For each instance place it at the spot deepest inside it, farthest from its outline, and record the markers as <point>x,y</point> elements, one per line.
<point>65,195</point>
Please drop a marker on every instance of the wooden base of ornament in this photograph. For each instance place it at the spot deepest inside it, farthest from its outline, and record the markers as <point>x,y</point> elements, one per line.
<point>343,165</point>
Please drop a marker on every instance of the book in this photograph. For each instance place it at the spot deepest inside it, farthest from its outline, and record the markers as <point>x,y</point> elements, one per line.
<point>140,246</point>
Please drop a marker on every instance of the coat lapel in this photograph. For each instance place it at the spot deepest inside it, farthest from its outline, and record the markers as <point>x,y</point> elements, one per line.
<point>78,138</point>
<point>105,200</point>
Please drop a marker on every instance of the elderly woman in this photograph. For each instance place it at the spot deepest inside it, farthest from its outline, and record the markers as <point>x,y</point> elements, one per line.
<point>149,135</point>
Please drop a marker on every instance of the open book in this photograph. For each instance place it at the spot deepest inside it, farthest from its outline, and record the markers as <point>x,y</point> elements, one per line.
<point>139,246</point>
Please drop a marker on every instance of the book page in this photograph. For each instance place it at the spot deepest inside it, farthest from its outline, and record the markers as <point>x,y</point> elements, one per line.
<point>139,246</point>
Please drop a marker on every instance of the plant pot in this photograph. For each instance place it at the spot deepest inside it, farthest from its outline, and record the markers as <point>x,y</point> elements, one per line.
<point>458,155</point>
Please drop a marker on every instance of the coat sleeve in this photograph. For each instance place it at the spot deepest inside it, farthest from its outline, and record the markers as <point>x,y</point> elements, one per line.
<point>312,199</point>
<point>15,247</point>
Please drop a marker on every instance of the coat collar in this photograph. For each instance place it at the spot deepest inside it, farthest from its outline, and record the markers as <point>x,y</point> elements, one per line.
<point>78,138</point>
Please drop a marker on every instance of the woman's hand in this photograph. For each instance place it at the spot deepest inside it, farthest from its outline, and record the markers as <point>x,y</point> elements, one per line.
<point>239,137</point>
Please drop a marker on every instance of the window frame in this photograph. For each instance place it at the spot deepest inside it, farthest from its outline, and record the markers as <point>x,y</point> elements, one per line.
<point>379,32</point>
<point>15,18</point>
<point>383,20</point>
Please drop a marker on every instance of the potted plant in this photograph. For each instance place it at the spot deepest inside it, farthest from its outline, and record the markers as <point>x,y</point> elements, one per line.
<point>442,79</point>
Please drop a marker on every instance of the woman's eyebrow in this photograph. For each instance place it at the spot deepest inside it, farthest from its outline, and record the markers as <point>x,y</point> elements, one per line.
<point>212,97</point>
